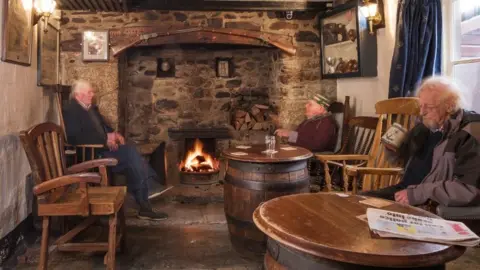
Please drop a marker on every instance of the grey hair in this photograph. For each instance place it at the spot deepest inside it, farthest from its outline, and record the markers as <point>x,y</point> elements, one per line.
<point>78,86</point>
<point>449,87</point>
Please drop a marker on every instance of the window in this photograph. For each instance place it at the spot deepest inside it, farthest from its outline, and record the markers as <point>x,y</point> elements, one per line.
<point>462,47</point>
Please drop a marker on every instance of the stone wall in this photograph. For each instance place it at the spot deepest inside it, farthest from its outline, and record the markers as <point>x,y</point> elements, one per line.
<point>195,96</point>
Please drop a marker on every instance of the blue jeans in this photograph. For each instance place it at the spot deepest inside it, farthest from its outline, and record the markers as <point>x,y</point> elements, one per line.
<point>131,163</point>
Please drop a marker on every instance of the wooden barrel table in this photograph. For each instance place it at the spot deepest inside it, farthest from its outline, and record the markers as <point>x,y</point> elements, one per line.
<point>253,177</point>
<point>323,231</point>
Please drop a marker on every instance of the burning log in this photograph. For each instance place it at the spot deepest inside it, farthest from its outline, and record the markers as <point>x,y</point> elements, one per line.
<point>198,161</point>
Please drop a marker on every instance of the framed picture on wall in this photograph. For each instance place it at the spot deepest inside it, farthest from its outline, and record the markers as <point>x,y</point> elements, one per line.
<point>95,46</point>
<point>48,55</point>
<point>17,32</point>
<point>224,67</point>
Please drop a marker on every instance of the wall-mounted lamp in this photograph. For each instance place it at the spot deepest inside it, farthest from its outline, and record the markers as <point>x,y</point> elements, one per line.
<point>370,10</point>
<point>43,9</point>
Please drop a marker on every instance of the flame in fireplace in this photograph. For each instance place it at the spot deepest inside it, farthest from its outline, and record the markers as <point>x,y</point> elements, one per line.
<point>198,161</point>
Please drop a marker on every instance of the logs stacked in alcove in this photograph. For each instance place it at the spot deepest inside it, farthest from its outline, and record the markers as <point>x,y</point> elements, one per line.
<point>258,117</point>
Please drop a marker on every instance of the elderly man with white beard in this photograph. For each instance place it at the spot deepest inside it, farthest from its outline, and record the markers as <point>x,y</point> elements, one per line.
<point>442,153</point>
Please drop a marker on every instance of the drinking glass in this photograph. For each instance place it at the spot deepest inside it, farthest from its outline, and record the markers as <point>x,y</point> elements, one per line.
<point>270,143</point>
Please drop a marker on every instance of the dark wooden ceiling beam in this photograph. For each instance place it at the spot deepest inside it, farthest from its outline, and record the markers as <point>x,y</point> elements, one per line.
<point>84,5</point>
<point>94,4</point>
<point>74,4</point>
<point>102,5</point>
<point>110,5</point>
<point>63,4</point>
<point>224,5</point>
<point>117,5</point>
<point>124,6</point>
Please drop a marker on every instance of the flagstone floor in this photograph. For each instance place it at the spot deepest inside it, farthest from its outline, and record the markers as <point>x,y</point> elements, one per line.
<point>194,237</point>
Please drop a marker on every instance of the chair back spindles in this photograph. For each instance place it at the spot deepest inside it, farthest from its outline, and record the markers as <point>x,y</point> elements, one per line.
<point>43,144</point>
<point>396,110</point>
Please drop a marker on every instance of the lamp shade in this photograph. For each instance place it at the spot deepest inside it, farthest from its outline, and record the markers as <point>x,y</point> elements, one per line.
<point>45,6</point>
<point>369,10</point>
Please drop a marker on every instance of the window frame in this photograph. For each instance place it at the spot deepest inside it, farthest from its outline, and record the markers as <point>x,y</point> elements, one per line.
<point>450,33</point>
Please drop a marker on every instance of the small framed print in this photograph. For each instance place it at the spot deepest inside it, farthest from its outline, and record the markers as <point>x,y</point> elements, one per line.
<point>224,67</point>
<point>95,46</point>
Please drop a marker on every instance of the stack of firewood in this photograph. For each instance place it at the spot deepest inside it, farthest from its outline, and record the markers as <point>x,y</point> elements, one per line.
<point>257,117</point>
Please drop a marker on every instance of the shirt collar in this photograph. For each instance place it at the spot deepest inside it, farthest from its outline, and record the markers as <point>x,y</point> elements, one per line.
<point>85,106</point>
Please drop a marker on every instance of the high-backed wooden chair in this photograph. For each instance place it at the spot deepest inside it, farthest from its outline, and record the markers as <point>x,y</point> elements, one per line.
<point>379,171</point>
<point>62,191</point>
<point>358,140</point>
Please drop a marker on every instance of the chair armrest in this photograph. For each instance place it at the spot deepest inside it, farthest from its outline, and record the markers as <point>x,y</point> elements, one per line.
<point>66,180</point>
<point>85,145</point>
<point>354,170</point>
<point>84,166</point>
<point>459,213</point>
<point>325,158</point>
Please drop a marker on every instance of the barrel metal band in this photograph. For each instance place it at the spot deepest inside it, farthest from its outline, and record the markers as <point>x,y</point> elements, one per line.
<point>240,223</point>
<point>267,186</point>
<point>268,167</point>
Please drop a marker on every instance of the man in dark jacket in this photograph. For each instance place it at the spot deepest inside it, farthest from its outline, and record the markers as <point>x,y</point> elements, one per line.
<point>318,132</point>
<point>443,151</point>
<point>85,125</point>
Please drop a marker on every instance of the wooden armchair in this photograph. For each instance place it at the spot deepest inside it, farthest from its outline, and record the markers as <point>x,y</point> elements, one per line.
<point>379,171</point>
<point>69,192</point>
<point>357,141</point>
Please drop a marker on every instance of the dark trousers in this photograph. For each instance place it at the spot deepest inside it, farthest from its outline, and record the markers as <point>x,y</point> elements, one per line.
<point>138,171</point>
<point>387,193</point>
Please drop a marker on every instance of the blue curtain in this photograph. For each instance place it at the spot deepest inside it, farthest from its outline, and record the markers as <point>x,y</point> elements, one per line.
<point>418,45</point>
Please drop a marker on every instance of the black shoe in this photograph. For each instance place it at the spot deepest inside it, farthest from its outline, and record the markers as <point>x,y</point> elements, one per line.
<point>150,215</point>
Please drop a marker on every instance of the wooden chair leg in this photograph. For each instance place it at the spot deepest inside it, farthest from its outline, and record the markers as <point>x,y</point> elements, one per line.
<point>44,244</point>
<point>123,229</point>
<point>328,178</point>
<point>112,239</point>
<point>345,178</point>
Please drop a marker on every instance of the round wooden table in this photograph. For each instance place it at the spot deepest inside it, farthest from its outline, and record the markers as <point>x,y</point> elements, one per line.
<point>253,177</point>
<point>322,231</point>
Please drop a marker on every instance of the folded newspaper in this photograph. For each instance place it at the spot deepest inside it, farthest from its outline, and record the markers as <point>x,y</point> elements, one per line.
<point>399,225</point>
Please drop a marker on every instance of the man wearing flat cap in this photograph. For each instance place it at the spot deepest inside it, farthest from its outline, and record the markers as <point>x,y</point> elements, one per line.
<point>318,132</point>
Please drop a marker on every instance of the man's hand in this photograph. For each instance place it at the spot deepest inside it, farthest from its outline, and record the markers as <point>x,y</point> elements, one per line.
<point>402,197</point>
<point>282,132</point>
<point>119,138</point>
<point>113,146</point>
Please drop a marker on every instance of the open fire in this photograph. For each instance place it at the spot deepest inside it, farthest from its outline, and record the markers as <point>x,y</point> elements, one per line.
<point>198,161</point>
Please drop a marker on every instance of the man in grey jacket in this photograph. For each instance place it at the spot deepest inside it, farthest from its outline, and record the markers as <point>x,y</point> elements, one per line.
<point>454,155</point>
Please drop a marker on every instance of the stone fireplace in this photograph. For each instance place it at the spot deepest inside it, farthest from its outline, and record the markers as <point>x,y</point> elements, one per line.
<point>176,108</point>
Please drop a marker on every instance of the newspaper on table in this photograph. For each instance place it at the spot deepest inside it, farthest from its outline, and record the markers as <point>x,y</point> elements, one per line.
<point>399,225</point>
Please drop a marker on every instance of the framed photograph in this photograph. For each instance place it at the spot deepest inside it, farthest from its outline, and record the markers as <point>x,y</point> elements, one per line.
<point>48,55</point>
<point>95,46</point>
<point>224,67</point>
<point>17,32</point>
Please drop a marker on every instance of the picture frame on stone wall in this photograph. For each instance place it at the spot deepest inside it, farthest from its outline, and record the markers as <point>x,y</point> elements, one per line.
<point>17,32</point>
<point>95,46</point>
<point>224,67</point>
<point>48,52</point>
